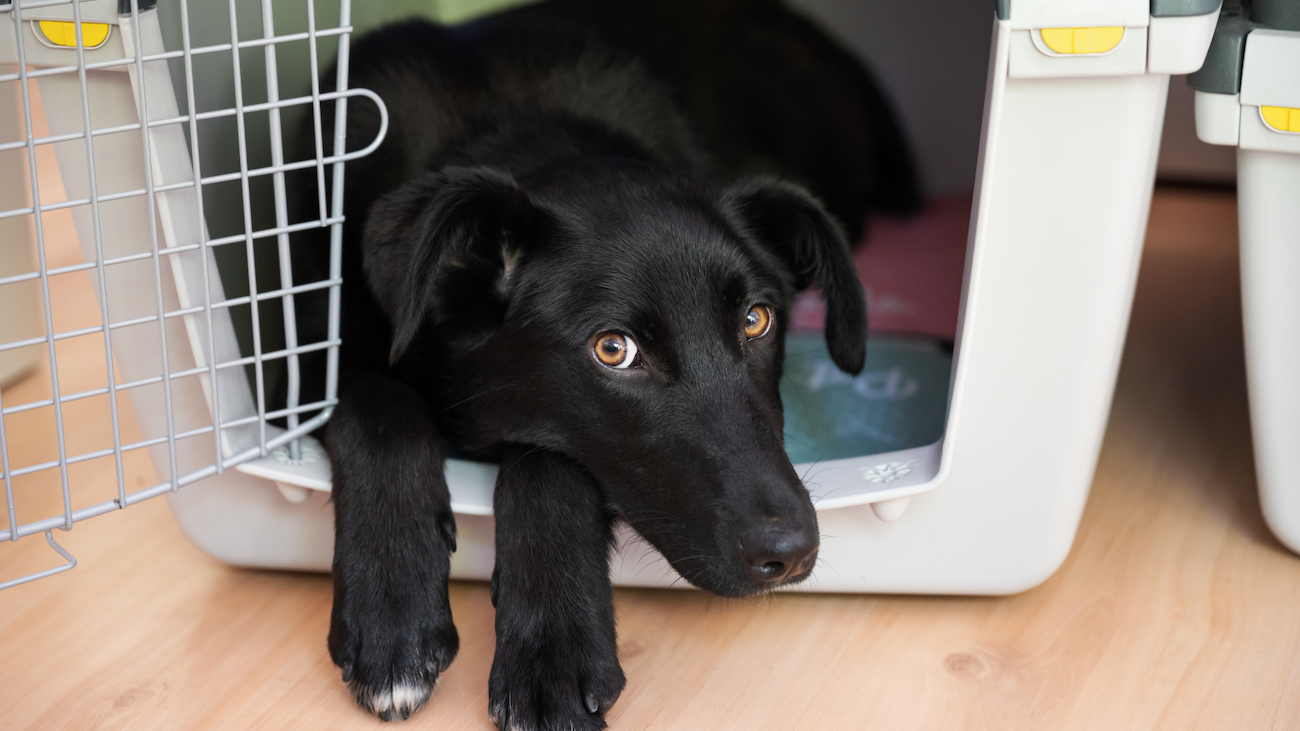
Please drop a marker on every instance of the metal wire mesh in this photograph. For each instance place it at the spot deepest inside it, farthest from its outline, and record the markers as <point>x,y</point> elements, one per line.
<point>191,331</point>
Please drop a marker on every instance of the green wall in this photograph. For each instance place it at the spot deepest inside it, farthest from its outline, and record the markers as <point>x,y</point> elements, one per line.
<point>367,15</point>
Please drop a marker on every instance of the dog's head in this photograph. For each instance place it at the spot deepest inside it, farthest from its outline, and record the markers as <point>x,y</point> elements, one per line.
<point>633,320</point>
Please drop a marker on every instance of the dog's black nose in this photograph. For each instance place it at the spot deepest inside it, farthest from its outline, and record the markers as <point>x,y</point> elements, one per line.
<point>775,552</point>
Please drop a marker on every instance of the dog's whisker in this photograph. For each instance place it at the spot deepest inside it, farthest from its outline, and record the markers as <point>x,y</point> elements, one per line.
<point>506,470</point>
<point>804,478</point>
<point>484,392</point>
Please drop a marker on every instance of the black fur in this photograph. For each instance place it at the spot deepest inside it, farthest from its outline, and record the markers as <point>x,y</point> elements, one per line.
<point>769,93</point>
<point>538,187</point>
<point>391,627</point>
<point>557,657</point>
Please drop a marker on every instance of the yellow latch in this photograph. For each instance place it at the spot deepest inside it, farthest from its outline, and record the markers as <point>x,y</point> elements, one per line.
<point>64,33</point>
<point>1082,40</point>
<point>1282,119</point>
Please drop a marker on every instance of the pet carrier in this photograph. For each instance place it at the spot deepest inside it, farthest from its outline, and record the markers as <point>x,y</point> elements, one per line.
<point>984,498</point>
<point>1248,96</point>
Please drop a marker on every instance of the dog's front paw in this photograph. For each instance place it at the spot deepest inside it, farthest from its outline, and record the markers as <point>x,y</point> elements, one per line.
<point>392,650</point>
<point>391,665</point>
<point>551,683</point>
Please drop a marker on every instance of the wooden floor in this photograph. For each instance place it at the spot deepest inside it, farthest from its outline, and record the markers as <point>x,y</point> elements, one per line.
<point>1176,609</point>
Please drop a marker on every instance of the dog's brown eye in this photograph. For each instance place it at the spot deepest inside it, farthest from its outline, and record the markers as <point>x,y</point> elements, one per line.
<point>615,350</point>
<point>757,321</point>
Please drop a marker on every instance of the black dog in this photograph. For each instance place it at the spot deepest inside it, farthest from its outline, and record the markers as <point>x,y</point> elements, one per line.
<point>540,268</point>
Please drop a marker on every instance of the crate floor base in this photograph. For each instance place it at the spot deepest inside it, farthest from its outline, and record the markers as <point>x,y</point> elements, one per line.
<point>895,410</point>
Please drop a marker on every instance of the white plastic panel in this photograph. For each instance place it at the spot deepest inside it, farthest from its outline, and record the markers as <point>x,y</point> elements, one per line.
<point>92,11</point>
<point>1030,58</point>
<point>1255,135</point>
<point>1179,45</point>
<point>1268,192</point>
<point>1270,77</point>
<point>1218,118</point>
<point>20,302</point>
<point>38,53</point>
<point>1271,73</point>
<point>1027,14</point>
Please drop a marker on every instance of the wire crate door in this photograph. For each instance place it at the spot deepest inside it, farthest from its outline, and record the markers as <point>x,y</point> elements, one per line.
<point>154,257</point>
<point>133,186</point>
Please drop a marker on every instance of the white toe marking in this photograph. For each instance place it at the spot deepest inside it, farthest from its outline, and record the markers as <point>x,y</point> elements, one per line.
<point>409,694</point>
<point>382,701</point>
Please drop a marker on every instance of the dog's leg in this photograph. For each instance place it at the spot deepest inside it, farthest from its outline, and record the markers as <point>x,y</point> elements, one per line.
<point>556,664</point>
<point>391,629</point>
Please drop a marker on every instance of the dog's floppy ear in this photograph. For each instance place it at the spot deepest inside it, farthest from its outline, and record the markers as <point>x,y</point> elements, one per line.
<point>447,245</point>
<point>789,222</point>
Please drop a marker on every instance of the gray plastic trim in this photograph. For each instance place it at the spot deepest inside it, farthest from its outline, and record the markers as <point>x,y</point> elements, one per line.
<point>1276,14</point>
<point>1004,9</point>
<point>124,6</point>
<point>1221,73</point>
<point>1182,8</point>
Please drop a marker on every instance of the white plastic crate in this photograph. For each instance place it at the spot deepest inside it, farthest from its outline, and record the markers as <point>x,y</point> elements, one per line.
<point>1251,100</point>
<point>1066,169</point>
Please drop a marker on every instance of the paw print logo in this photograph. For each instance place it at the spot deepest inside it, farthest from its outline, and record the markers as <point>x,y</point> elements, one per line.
<point>887,472</point>
<point>310,453</point>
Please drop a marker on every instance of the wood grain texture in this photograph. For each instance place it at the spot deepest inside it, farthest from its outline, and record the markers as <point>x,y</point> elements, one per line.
<point>1175,610</point>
